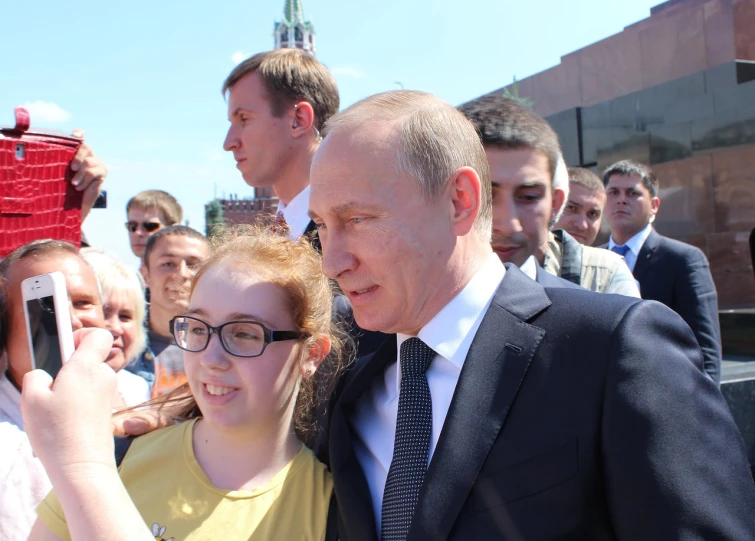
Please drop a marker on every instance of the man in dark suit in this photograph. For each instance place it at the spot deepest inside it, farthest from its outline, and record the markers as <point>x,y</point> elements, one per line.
<point>501,409</point>
<point>668,271</point>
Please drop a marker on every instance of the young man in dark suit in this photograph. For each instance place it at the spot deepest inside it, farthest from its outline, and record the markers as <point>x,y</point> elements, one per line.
<point>668,271</point>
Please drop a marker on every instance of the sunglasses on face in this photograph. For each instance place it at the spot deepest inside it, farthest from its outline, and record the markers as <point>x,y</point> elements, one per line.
<point>149,227</point>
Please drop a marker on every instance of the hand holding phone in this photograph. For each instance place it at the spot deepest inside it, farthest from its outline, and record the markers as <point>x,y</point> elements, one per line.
<point>48,321</point>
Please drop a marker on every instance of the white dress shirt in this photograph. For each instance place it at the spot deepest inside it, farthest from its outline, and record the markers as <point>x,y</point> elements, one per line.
<point>296,214</point>
<point>449,334</point>
<point>529,267</point>
<point>23,480</point>
<point>634,244</point>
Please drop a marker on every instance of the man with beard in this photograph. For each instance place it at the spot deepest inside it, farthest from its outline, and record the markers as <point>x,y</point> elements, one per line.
<point>530,187</point>
<point>170,257</point>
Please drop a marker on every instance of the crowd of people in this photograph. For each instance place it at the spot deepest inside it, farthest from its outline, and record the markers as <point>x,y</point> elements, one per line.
<point>423,344</point>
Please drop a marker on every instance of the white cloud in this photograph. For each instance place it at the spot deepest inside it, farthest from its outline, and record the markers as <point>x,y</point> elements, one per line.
<point>349,71</point>
<point>45,111</point>
<point>239,56</point>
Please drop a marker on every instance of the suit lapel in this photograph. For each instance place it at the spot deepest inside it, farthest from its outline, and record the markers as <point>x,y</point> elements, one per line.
<point>490,379</point>
<point>645,256</point>
<point>352,492</point>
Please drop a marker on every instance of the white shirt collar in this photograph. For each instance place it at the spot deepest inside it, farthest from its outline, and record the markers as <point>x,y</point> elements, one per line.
<point>529,267</point>
<point>636,242</point>
<point>445,332</point>
<point>10,401</point>
<point>296,214</point>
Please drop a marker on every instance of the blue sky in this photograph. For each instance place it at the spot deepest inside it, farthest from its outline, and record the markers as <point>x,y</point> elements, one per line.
<point>142,78</point>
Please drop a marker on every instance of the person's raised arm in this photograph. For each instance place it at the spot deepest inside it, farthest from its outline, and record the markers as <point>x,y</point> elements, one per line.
<point>69,426</point>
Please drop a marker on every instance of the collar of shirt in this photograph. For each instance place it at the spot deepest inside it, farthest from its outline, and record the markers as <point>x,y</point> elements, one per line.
<point>447,332</point>
<point>10,401</point>
<point>296,214</point>
<point>529,267</point>
<point>636,242</point>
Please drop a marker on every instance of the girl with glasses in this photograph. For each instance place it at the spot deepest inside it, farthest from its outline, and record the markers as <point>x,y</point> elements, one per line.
<point>261,350</point>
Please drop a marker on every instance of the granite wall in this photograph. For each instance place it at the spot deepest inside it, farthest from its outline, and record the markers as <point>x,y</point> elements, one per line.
<point>676,91</point>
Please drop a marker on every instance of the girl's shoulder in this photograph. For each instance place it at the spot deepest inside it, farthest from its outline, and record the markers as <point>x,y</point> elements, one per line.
<point>164,444</point>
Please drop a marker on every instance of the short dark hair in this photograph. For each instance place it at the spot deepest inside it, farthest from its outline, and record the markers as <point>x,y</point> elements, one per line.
<point>291,75</point>
<point>36,248</point>
<point>585,178</point>
<point>503,123</point>
<point>173,230</point>
<point>631,167</point>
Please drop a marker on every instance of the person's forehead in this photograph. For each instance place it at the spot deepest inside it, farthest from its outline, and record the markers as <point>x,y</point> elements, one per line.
<point>582,194</point>
<point>248,93</point>
<point>516,163</point>
<point>624,181</point>
<point>140,213</point>
<point>180,246</point>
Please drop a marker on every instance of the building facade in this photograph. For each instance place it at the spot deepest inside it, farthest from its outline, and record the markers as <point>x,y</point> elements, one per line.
<point>675,91</point>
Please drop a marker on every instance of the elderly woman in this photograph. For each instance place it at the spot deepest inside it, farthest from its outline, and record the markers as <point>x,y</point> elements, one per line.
<point>124,310</point>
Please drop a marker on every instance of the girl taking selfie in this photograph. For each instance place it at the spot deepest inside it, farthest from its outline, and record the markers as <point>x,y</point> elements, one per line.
<point>260,349</point>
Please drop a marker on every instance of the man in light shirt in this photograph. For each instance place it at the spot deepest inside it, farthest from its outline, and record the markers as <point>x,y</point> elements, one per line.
<point>530,189</point>
<point>668,271</point>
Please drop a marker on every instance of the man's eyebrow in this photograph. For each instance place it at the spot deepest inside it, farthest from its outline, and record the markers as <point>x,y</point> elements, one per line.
<point>575,203</point>
<point>532,183</point>
<point>347,207</point>
<point>238,109</point>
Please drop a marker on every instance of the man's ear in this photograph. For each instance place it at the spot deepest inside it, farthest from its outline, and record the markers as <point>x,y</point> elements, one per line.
<point>655,205</point>
<point>557,203</point>
<point>465,192</point>
<point>317,350</point>
<point>303,119</point>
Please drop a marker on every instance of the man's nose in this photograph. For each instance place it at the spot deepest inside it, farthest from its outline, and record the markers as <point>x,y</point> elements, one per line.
<point>581,223</point>
<point>231,140</point>
<point>506,219</point>
<point>336,255</point>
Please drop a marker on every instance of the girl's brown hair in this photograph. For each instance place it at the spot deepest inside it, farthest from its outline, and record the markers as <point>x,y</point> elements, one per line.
<point>296,267</point>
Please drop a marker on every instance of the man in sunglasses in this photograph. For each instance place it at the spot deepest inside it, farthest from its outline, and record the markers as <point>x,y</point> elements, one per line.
<point>148,212</point>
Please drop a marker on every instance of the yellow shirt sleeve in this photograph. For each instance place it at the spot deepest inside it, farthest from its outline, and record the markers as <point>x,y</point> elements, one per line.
<point>51,514</point>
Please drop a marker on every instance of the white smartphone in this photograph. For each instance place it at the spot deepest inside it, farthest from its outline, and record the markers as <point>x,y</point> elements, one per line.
<point>48,321</point>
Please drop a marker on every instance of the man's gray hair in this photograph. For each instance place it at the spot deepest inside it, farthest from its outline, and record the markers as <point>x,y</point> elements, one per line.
<point>434,140</point>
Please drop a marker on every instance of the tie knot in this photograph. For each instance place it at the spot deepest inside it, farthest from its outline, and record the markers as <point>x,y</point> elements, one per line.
<point>416,357</point>
<point>621,250</point>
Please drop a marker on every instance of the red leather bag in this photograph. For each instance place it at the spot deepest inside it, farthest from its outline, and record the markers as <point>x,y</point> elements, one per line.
<point>37,200</point>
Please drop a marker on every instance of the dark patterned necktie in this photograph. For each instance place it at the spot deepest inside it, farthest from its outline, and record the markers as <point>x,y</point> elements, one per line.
<point>411,449</point>
<point>621,250</point>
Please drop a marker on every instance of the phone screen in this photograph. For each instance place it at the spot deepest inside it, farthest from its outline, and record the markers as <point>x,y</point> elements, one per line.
<point>44,334</point>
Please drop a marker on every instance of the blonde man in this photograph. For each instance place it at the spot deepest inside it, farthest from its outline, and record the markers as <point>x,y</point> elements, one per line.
<point>148,212</point>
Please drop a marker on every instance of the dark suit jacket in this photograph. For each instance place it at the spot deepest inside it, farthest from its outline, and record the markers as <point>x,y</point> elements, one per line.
<point>678,275</point>
<point>576,416</point>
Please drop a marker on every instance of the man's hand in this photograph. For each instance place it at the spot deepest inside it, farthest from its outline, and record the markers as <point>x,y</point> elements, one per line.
<point>69,421</point>
<point>89,174</point>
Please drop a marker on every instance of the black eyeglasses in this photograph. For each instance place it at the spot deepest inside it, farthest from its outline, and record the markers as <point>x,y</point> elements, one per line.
<point>239,338</point>
<point>149,227</point>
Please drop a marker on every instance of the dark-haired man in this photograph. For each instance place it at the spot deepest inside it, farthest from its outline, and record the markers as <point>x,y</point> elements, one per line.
<point>530,187</point>
<point>668,271</point>
<point>583,211</point>
<point>170,257</point>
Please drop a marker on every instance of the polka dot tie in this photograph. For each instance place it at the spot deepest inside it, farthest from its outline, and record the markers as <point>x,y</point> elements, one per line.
<point>414,425</point>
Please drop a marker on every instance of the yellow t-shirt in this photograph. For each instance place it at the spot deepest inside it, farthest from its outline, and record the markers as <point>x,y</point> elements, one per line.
<point>178,501</point>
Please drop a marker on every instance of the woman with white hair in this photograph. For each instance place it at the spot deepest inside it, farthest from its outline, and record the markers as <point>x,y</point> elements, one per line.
<point>124,309</point>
